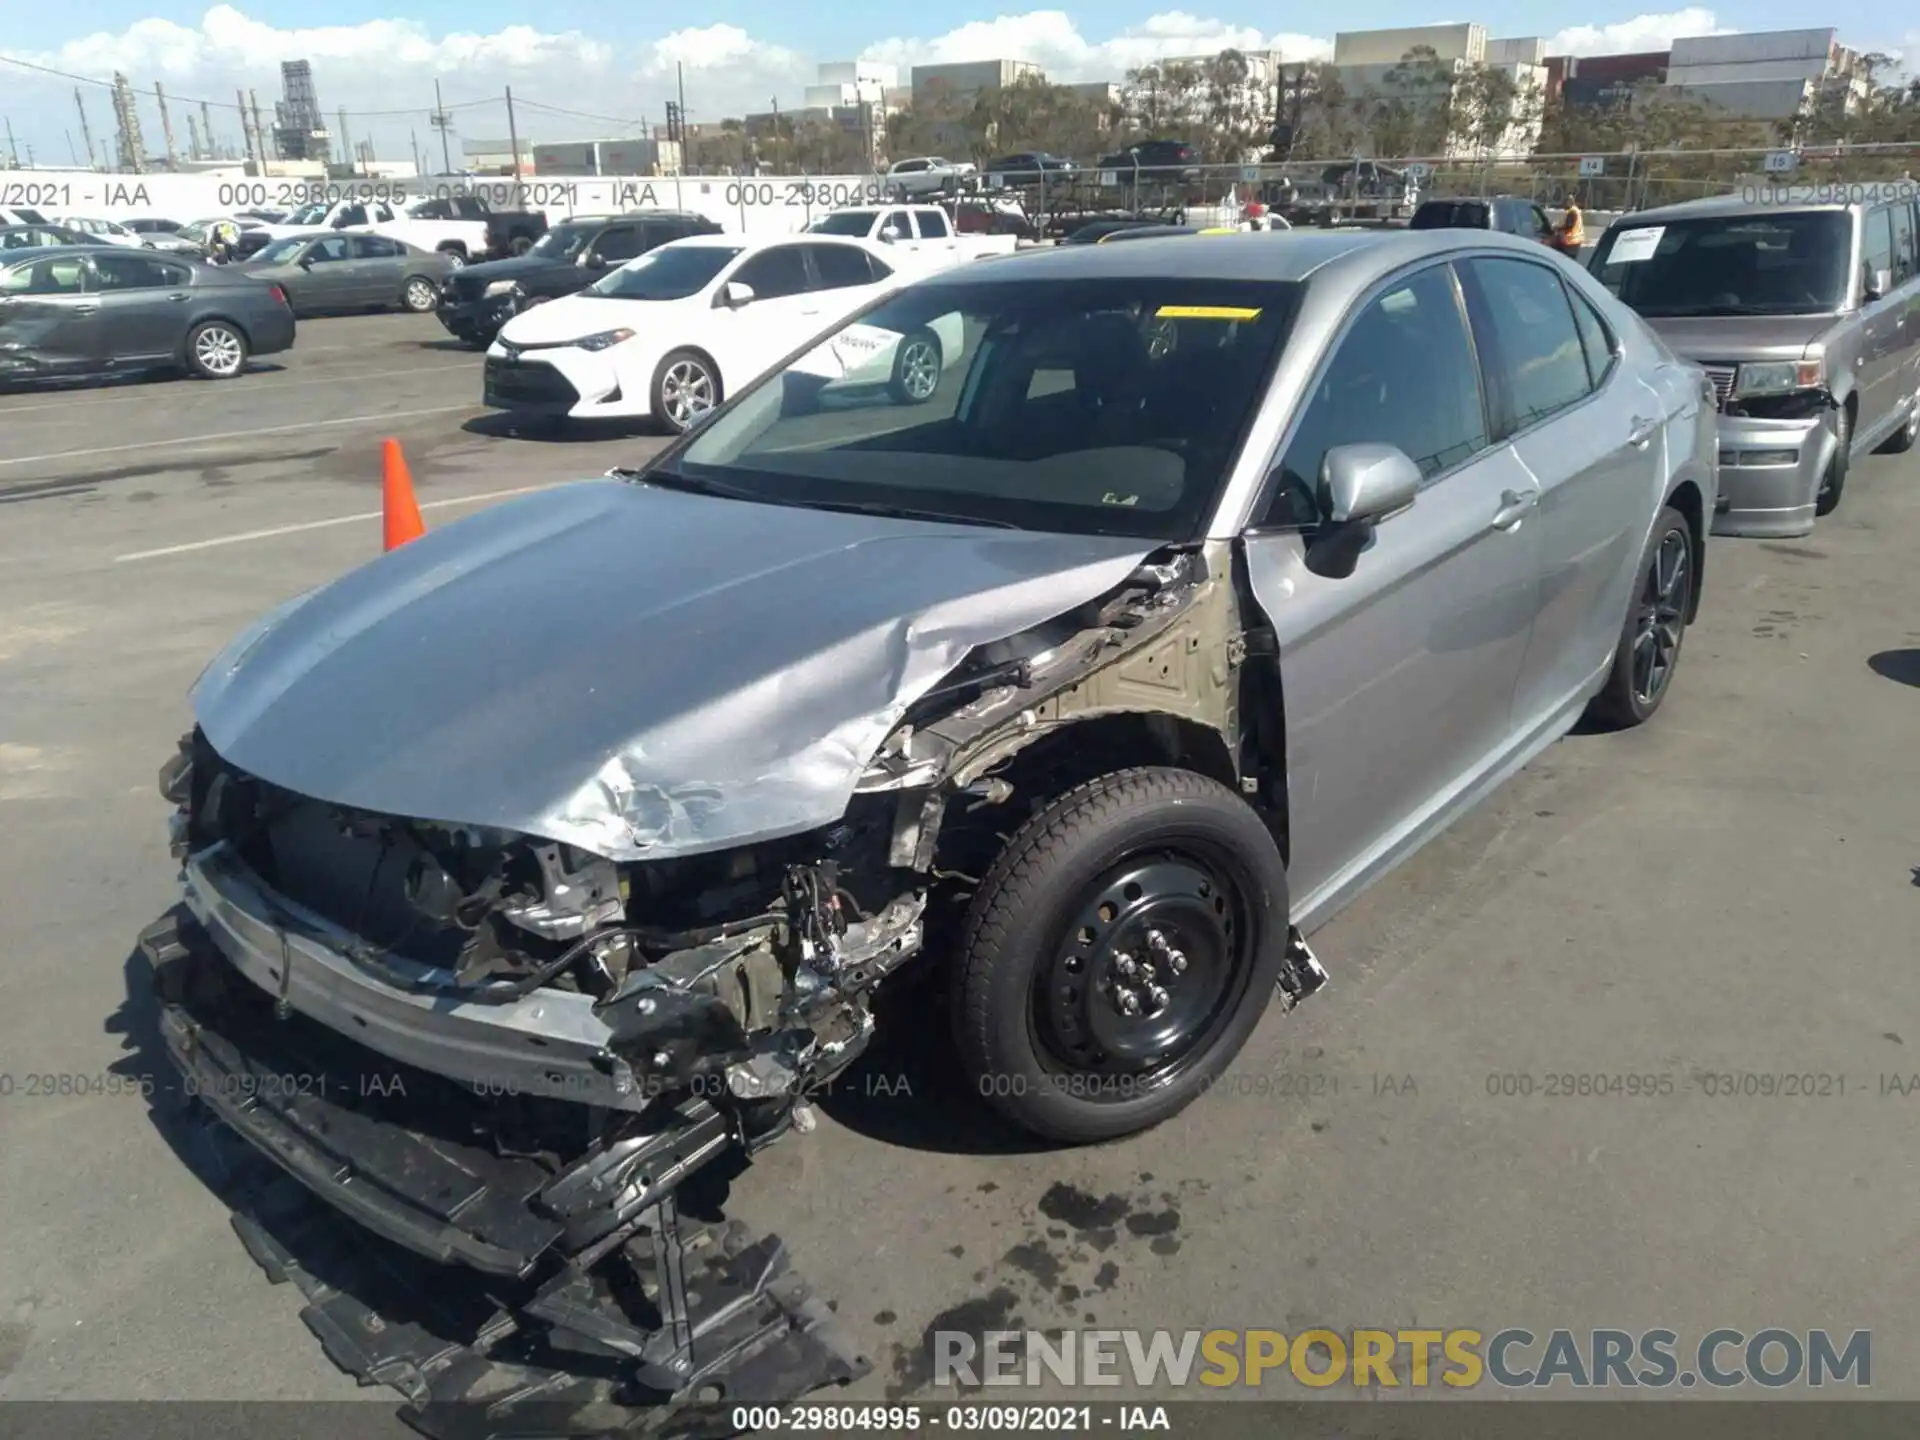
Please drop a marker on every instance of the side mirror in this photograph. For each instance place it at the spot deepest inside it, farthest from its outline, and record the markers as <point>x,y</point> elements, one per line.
<point>306,262</point>
<point>734,295</point>
<point>592,260</point>
<point>890,234</point>
<point>1879,282</point>
<point>1361,485</point>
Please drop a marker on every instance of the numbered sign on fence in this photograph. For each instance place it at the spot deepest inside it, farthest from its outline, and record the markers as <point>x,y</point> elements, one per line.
<point>1109,177</point>
<point>1249,174</point>
<point>996,180</point>
<point>1779,162</point>
<point>1592,166</point>
<point>1419,170</point>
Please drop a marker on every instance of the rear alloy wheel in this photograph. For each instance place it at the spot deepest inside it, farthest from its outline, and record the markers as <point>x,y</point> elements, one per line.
<point>520,245</point>
<point>1119,954</point>
<point>455,259</point>
<point>1656,625</point>
<point>1834,480</point>
<point>419,294</point>
<point>916,368</point>
<point>1902,440</point>
<point>216,350</point>
<point>685,391</point>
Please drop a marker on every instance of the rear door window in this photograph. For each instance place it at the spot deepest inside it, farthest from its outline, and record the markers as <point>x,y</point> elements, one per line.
<point>1904,259</point>
<point>1876,254</point>
<point>933,225</point>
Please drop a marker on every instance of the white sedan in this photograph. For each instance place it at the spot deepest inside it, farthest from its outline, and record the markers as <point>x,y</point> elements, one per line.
<point>668,336</point>
<point>102,232</point>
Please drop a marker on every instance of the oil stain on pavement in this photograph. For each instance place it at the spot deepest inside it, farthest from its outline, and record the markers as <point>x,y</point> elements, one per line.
<point>1074,1246</point>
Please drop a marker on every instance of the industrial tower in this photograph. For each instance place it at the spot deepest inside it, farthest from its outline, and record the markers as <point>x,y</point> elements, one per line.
<point>126,119</point>
<point>299,132</point>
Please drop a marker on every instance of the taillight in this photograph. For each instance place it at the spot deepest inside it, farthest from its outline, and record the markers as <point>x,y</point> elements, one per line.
<point>279,295</point>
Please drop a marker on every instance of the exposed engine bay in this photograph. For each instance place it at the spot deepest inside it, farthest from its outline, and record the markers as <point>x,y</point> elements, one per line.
<point>577,1038</point>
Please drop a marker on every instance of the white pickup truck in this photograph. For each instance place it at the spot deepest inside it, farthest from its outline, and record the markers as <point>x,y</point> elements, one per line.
<point>459,240</point>
<point>914,228</point>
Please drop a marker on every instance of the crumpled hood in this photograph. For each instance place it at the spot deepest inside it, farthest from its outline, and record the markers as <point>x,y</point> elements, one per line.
<point>636,671</point>
<point>1731,338</point>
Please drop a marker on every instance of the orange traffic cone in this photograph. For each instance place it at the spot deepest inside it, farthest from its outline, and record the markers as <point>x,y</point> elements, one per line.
<point>400,510</point>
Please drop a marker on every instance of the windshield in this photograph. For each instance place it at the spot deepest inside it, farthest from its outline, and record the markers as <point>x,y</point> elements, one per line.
<point>669,273</point>
<point>309,215</point>
<point>1111,406</point>
<point>564,242</point>
<point>280,252</point>
<point>1769,264</point>
<point>844,222</point>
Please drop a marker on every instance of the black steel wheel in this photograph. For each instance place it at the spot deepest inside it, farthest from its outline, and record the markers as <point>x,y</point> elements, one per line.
<point>1119,954</point>
<point>1658,613</point>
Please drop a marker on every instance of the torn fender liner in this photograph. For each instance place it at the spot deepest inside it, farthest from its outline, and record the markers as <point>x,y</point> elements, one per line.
<point>636,671</point>
<point>485,1286</point>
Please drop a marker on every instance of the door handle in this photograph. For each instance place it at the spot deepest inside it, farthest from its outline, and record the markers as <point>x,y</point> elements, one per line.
<point>85,309</point>
<point>1642,432</point>
<point>178,297</point>
<point>1514,505</point>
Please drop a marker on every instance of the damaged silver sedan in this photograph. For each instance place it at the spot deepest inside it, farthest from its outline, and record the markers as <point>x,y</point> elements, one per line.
<point>1208,583</point>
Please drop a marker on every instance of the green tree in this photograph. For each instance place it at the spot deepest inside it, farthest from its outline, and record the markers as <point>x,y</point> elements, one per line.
<point>1236,114</point>
<point>1163,98</point>
<point>1418,107</point>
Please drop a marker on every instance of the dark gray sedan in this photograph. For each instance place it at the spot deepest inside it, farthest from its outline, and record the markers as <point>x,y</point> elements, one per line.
<point>351,272</point>
<point>86,310</point>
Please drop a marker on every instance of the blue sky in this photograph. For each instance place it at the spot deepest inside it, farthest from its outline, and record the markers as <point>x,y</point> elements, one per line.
<point>614,66</point>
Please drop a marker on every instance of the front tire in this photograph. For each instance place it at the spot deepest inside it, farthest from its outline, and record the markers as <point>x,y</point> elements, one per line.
<point>1119,954</point>
<point>917,367</point>
<point>686,388</point>
<point>1827,499</point>
<point>1656,624</point>
<point>1902,440</point>
<point>217,350</point>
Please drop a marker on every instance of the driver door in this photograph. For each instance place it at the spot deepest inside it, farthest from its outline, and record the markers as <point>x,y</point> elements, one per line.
<point>785,309</point>
<point>1399,677</point>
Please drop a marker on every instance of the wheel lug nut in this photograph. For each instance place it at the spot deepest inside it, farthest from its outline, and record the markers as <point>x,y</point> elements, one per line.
<point>1125,965</point>
<point>1177,962</point>
<point>1156,996</point>
<point>1156,942</point>
<point>1128,1002</point>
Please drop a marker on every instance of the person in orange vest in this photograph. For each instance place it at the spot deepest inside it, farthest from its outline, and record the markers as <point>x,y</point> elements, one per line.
<point>1573,229</point>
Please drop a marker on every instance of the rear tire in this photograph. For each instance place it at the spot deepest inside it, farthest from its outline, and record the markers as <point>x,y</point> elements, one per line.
<point>1902,440</point>
<point>1055,951</point>
<point>917,367</point>
<point>1827,499</point>
<point>456,257</point>
<point>1656,624</point>
<point>520,244</point>
<point>217,350</point>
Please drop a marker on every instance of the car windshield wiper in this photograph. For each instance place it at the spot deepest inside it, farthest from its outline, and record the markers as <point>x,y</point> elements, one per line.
<point>1707,311</point>
<point>699,485</point>
<point>680,480</point>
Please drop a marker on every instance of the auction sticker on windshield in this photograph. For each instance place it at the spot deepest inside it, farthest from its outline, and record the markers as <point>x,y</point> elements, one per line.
<point>1632,246</point>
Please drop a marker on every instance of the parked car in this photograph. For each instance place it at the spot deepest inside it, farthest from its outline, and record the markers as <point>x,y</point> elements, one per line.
<point>1806,317</point>
<point>254,236</point>
<point>624,797</point>
<point>922,229</point>
<point>668,336</point>
<point>265,217</point>
<point>20,215</point>
<point>479,299</point>
<point>98,308</point>
<point>1095,232</point>
<point>928,175</point>
<point>1159,159</point>
<point>161,234</point>
<point>1143,232</point>
<point>351,271</point>
<point>22,237</point>
<point>502,232</point>
<point>1029,167</point>
<point>100,231</point>
<point>1508,214</point>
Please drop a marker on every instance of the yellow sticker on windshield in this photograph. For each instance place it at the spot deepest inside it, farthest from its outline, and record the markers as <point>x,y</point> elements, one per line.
<point>1205,312</point>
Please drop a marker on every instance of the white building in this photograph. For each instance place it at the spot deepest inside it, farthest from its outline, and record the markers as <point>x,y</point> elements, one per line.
<point>852,83</point>
<point>1369,62</point>
<point>1772,75</point>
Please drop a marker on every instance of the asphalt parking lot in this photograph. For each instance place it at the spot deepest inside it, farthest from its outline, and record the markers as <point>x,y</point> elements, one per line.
<point>1730,892</point>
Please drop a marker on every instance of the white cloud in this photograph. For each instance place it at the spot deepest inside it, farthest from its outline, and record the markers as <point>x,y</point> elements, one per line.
<point>382,72</point>
<point>1640,34</point>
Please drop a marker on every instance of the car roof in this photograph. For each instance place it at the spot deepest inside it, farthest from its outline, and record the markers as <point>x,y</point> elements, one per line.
<point>1718,206</point>
<point>1361,256</point>
<point>762,242</point>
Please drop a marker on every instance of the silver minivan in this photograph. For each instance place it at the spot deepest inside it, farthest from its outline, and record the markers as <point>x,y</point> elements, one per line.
<point>1807,319</point>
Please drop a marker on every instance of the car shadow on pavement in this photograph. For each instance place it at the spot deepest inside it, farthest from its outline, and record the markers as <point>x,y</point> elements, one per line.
<point>457,347</point>
<point>549,429</point>
<point>67,384</point>
<point>1900,666</point>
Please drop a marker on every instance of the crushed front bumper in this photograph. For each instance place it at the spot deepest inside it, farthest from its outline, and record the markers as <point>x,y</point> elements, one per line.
<point>555,1285</point>
<point>1770,473</point>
